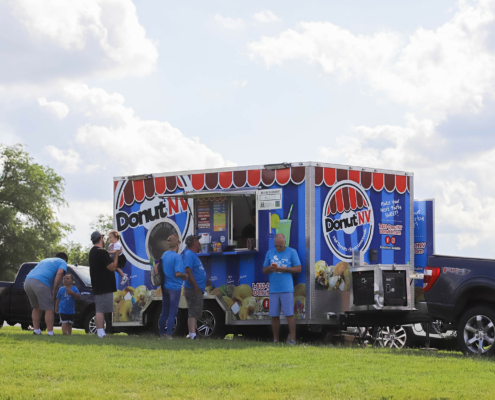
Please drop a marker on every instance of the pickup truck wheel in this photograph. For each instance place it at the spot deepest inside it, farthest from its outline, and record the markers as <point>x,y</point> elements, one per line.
<point>25,326</point>
<point>393,337</point>
<point>212,322</point>
<point>90,323</point>
<point>476,331</point>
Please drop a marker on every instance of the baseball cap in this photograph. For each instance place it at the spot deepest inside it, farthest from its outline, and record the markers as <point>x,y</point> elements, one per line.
<point>95,235</point>
<point>190,239</point>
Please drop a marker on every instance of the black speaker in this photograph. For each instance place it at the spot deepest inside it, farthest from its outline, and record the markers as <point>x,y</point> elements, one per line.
<point>363,288</point>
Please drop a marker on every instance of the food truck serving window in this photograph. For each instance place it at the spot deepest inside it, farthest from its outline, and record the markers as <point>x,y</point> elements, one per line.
<point>227,218</point>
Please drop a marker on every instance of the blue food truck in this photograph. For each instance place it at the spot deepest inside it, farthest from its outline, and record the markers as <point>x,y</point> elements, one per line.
<point>327,212</point>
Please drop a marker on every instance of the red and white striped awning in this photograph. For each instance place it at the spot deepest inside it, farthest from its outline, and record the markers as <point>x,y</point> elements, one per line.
<point>376,180</point>
<point>345,199</point>
<point>138,191</point>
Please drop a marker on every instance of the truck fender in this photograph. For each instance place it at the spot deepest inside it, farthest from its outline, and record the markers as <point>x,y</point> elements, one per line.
<point>479,288</point>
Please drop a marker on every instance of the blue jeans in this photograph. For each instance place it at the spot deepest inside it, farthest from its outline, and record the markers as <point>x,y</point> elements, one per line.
<point>170,306</point>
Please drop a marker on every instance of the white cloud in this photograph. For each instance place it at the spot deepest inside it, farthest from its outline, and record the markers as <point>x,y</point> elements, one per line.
<point>81,214</point>
<point>229,23</point>
<point>69,160</point>
<point>266,16</point>
<point>57,40</point>
<point>131,144</point>
<point>462,186</point>
<point>59,109</point>
<point>238,84</point>
<point>442,71</point>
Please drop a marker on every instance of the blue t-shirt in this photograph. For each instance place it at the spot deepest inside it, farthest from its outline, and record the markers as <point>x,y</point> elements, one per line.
<point>192,261</point>
<point>281,282</point>
<point>46,270</point>
<point>67,303</point>
<point>172,263</point>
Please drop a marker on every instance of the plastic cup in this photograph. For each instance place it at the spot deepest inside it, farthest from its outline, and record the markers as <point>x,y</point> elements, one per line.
<point>284,228</point>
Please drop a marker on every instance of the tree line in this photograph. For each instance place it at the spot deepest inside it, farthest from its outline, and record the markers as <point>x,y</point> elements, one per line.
<point>30,194</point>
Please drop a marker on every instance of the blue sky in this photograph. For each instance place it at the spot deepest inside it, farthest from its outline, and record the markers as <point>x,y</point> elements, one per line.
<point>102,88</point>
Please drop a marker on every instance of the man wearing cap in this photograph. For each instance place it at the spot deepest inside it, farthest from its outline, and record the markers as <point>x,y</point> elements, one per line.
<point>280,263</point>
<point>194,287</point>
<point>102,271</point>
<point>173,270</point>
<point>41,287</point>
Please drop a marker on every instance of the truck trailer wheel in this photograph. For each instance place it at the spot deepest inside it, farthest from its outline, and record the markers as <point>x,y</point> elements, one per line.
<point>212,322</point>
<point>393,337</point>
<point>476,332</point>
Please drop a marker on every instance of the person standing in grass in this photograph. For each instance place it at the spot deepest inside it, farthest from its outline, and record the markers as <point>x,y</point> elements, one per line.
<point>194,287</point>
<point>66,303</point>
<point>280,263</point>
<point>102,271</point>
<point>41,286</point>
<point>173,269</point>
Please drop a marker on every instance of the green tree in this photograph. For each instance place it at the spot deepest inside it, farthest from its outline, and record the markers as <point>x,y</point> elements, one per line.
<point>103,224</point>
<point>77,253</point>
<point>29,194</point>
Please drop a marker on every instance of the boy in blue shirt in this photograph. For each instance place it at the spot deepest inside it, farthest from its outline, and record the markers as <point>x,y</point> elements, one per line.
<point>280,263</point>
<point>66,303</point>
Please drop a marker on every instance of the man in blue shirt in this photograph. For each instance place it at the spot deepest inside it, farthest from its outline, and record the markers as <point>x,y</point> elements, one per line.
<point>280,263</point>
<point>173,270</point>
<point>194,287</point>
<point>41,286</point>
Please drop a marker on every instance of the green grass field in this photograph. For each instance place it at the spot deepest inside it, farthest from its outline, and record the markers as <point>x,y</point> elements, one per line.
<point>135,367</point>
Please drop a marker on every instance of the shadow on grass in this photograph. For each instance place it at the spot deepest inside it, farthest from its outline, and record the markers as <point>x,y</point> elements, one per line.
<point>147,341</point>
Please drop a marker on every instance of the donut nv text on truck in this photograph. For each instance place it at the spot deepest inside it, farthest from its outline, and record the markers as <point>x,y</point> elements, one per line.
<point>327,213</point>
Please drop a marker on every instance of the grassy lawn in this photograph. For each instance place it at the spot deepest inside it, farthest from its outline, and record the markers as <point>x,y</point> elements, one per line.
<point>123,367</point>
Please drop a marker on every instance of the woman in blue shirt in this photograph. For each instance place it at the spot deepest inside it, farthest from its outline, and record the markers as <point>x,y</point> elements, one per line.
<point>173,270</point>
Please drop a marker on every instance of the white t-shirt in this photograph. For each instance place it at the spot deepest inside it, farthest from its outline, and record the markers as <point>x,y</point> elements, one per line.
<point>113,247</point>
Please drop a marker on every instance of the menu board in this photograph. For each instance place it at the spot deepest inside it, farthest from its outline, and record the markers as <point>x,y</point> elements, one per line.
<point>204,215</point>
<point>219,216</point>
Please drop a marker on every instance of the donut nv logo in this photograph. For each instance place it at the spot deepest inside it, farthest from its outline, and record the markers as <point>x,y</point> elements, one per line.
<point>347,219</point>
<point>144,230</point>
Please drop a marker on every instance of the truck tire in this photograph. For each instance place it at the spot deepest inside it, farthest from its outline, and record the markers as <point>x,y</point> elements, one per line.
<point>392,337</point>
<point>212,322</point>
<point>2,321</point>
<point>476,331</point>
<point>90,323</point>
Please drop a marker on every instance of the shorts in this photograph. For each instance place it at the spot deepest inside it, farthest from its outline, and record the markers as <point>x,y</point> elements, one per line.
<point>104,303</point>
<point>286,300</point>
<point>39,294</point>
<point>194,303</point>
<point>67,318</point>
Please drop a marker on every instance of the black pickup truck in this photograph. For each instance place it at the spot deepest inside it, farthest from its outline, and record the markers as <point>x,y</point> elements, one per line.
<point>16,309</point>
<point>460,294</point>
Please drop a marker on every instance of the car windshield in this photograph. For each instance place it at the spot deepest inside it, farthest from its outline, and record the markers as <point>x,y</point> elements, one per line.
<point>83,273</point>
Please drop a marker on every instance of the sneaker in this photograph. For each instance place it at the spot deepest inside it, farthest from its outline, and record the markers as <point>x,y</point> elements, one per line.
<point>37,334</point>
<point>124,279</point>
<point>193,338</point>
<point>101,337</point>
<point>292,343</point>
<point>275,341</point>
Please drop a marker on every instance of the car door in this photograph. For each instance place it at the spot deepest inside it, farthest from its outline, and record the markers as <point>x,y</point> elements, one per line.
<point>20,307</point>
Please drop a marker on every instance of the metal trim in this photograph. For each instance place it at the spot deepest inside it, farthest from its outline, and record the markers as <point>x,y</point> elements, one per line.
<point>310,232</point>
<point>293,164</point>
<point>411,233</point>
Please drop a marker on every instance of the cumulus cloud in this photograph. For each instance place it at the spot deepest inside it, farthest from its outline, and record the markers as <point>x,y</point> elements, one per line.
<point>81,214</point>
<point>229,23</point>
<point>55,40</point>
<point>266,16</point>
<point>69,160</point>
<point>59,109</point>
<point>238,84</point>
<point>441,71</point>
<point>462,185</point>
<point>133,145</point>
